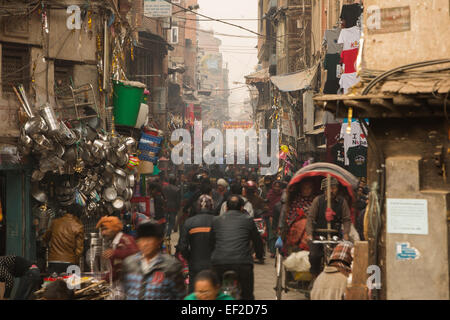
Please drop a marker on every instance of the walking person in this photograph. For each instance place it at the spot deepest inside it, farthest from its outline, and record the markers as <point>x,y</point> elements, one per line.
<point>150,274</point>
<point>232,236</point>
<point>121,245</point>
<point>66,240</point>
<point>273,197</point>
<point>195,237</point>
<point>172,194</point>
<point>12,267</point>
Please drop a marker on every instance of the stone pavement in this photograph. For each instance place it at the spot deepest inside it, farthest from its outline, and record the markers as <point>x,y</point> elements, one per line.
<point>265,280</point>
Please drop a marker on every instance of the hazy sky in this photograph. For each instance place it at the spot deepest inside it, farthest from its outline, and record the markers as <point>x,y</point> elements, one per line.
<point>239,53</point>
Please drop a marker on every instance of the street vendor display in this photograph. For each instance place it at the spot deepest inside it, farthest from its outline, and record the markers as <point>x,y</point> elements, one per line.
<point>76,162</point>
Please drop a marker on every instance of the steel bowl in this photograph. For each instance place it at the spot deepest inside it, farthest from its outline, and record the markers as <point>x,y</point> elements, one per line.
<point>120,184</point>
<point>128,194</point>
<point>32,126</point>
<point>118,204</point>
<point>110,194</point>
<point>39,195</point>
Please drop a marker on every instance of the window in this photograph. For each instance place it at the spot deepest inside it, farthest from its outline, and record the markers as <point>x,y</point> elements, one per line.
<point>174,35</point>
<point>63,75</point>
<point>15,66</point>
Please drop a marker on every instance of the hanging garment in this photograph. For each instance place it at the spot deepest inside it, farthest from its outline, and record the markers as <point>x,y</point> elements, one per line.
<point>332,133</point>
<point>357,157</point>
<point>355,138</point>
<point>351,13</point>
<point>331,39</point>
<point>348,60</point>
<point>350,38</point>
<point>338,154</point>
<point>330,64</point>
<point>348,80</point>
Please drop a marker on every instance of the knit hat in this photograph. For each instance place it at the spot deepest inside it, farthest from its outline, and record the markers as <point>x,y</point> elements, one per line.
<point>110,222</point>
<point>342,257</point>
<point>205,203</point>
<point>222,182</point>
<point>150,229</point>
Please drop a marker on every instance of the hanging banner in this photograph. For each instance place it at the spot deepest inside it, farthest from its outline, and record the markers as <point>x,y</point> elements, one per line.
<point>238,125</point>
<point>157,9</point>
<point>288,125</point>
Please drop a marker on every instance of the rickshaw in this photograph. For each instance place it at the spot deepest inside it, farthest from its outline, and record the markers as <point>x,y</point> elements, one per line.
<point>348,185</point>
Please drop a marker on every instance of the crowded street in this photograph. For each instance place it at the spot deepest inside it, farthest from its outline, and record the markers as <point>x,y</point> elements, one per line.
<point>257,150</point>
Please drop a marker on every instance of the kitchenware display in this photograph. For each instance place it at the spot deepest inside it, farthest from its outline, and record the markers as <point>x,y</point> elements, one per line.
<point>101,166</point>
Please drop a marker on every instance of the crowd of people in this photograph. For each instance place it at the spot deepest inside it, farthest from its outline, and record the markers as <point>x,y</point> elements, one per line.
<point>215,217</point>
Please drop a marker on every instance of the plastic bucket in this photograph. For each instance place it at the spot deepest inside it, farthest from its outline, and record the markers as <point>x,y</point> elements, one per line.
<point>127,99</point>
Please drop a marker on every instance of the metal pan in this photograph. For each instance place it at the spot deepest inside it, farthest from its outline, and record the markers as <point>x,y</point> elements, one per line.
<point>131,180</point>
<point>39,195</point>
<point>120,172</point>
<point>128,194</point>
<point>110,194</point>
<point>120,184</point>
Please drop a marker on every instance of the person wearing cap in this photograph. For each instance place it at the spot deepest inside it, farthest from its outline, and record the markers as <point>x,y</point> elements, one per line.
<point>121,245</point>
<point>194,239</point>
<point>219,195</point>
<point>319,216</point>
<point>150,274</point>
<point>332,282</point>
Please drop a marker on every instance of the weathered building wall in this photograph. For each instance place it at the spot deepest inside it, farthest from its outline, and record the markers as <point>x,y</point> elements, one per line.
<point>409,147</point>
<point>417,29</point>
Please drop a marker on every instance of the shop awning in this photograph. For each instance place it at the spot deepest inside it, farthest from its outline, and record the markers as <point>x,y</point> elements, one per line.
<point>316,131</point>
<point>258,76</point>
<point>294,81</point>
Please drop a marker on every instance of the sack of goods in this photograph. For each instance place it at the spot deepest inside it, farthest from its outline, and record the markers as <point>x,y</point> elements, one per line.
<point>298,262</point>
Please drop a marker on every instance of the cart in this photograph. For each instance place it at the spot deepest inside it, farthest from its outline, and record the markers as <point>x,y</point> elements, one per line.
<point>315,172</point>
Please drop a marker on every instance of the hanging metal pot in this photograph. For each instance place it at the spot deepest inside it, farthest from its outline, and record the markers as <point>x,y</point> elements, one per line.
<point>37,175</point>
<point>120,172</point>
<point>49,116</point>
<point>120,184</point>
<point>128,194</point>
<point>32,126</point>
<point>131,144</point>
<point>38,194</point>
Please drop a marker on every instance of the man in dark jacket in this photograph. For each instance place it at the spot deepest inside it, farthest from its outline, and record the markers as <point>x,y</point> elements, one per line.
<point>194,239</point>
<point>231,237</point>
<point>66,239</point>
<point>149,274</point>
<point>173,197</point>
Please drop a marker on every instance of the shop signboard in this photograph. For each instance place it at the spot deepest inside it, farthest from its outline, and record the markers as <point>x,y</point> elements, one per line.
<point>157,9</point>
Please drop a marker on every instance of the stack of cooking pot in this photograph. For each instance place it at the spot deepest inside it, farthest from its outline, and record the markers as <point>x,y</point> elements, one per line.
<point>97,160</point>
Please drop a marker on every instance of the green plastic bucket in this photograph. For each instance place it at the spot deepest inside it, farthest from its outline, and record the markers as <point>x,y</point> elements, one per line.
<point>127,99</point>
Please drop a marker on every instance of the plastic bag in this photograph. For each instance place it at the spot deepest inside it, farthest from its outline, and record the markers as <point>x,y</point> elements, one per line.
<point>298,262</point>
<point>279,243</point>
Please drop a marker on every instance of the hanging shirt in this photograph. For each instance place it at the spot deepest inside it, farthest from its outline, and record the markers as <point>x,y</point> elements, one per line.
<point>355,138</point>
<point>350,37</point>
<point>357,157</point>
<point>331,40</point>
<point>338,154</point>
<point>330,64</point>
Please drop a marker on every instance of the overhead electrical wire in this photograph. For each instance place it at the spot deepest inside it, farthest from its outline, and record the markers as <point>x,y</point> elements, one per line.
<point>216,20</point>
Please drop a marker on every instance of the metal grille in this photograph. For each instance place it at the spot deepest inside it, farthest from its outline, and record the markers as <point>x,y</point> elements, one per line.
<point>15,67</point>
